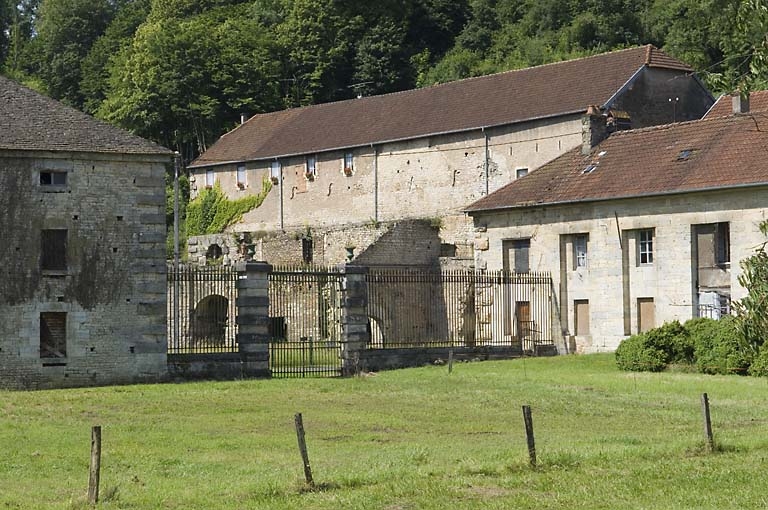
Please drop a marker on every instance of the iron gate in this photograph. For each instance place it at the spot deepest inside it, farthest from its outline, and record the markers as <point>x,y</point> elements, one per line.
<point>305,322</point>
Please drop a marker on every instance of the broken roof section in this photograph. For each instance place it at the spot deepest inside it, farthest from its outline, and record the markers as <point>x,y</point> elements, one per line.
<point>34,122</point>
<point>716,153</point>
<point>505,98</point>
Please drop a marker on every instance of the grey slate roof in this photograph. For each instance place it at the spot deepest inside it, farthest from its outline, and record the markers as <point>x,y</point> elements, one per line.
<point>31,121</point>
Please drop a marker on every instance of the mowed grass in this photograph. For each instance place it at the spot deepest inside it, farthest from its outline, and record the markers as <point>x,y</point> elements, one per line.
<point>400,440</point>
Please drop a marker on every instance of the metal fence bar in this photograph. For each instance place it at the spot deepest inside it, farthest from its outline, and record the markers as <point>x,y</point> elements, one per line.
<point>205,310</point>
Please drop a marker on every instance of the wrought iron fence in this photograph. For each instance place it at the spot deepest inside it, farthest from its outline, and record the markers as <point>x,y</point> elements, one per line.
<point>201,309</point>
<point>305,321</point>
<point>426,307</point>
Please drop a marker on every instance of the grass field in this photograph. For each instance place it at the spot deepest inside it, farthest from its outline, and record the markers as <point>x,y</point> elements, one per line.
<point>401,440</point>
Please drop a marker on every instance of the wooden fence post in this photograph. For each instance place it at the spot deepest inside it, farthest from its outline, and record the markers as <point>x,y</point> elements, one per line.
<point>303,449</point>
<point>707,422</point>
<point>93,478</point>
<point>529,435</point>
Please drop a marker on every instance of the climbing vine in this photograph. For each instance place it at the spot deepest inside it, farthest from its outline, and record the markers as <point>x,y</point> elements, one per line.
<point>211,211</point>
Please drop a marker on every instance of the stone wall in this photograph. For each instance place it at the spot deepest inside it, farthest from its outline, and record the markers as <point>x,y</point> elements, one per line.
<point>113,288</point>
<point>614,279</point>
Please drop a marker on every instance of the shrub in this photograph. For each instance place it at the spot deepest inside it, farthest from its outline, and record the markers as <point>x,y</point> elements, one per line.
<point>655,349</point>
<point>211,212</point>
<point>636,354</point>
<point>720,347</point>
<point>759,366</point>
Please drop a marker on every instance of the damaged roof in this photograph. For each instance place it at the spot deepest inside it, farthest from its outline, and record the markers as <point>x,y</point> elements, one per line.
<point>494,100</point>
<point>34,122</point>
<point>700,155</point>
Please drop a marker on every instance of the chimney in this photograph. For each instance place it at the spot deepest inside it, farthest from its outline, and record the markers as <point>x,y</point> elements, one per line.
<point>740,102</point>
<point>593,129</point>
<point>243,118</point>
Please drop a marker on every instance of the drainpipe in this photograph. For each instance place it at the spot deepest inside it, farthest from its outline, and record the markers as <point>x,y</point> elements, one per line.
<point>282,213</point>
<point>375,183</point>
<point>485,135</point>
<point>176,325</point>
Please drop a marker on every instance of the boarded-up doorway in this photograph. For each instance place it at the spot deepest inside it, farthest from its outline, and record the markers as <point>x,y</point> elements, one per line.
<point>581,317</point>
<point>645,314</point>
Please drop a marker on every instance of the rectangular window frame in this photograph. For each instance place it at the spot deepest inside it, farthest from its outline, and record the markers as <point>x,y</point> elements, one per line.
<point>580,251</point>
<point>275,169</point>
<point>348,165</point>
<point>53,336</point>
<point>645,240</point>
<point>53,250</point>
<point>521,172</point>
<point>311,167</point>
<point>210,178</point>
<point>53,181</point>
<point>723,244</point>
<point>242,176</point>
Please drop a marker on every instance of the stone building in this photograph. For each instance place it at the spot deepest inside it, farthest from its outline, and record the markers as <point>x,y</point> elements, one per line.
<point>346,173</point>
<point>82,212</point>
<point>646,227</point>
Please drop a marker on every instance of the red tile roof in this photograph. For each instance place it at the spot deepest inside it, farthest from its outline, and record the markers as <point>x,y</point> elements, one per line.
<point>504,98</point>
<point>676,158</point>
<point>758,101</point>
<point>32,121</point>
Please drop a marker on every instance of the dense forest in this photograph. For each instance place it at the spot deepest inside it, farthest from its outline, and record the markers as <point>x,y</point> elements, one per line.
<point>180,72</point>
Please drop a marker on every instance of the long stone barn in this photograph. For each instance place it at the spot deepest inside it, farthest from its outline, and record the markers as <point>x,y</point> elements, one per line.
<point>82,216</point>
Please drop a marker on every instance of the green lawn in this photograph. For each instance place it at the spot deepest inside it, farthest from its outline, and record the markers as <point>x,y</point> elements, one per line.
<point>400,440</point>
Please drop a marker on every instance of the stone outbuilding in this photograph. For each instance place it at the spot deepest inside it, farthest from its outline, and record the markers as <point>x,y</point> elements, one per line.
<point>82,215</point>
<point>646,227</point>
<point>344,170</point>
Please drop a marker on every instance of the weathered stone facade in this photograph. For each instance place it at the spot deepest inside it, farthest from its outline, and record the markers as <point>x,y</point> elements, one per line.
<point>614,284</point>
<point>432,176</point>
<point>105,297</point>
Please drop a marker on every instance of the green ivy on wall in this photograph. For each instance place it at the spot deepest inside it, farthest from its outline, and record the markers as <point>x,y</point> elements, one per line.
<point>211,211</point>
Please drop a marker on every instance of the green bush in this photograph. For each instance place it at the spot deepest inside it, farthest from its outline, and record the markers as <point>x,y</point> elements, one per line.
<point>720,347</point>
<point>759,366</point>
<point>637,355</point>
<point>655,349</point>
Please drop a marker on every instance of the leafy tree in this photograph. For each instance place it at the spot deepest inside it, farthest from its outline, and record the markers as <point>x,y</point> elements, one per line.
<point>752,310</point>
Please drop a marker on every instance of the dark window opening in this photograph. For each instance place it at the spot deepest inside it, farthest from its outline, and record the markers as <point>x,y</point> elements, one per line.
<point>447,250</point>
<point>53,335</point>
<point>53,178</point>
<point>723,243</point>
<point>306,250</point>
<point>53,250</point>
<point>214,252</point>
<point>521,248</point>
<point>278,329</point>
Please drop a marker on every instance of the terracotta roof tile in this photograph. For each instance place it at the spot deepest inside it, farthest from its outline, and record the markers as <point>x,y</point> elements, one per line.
<point>758,102</point>
<point>676,158</point>
<point>498,99</point>
<point>32,121</point>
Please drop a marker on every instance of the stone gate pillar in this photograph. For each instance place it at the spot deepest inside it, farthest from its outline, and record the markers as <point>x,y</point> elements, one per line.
<point>355,335</point>
<point>253,319</point>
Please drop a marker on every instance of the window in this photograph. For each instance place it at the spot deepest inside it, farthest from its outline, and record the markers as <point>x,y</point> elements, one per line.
<point>311,167</point>
<point>210,179</point>
<point>521,172</point>
<point>581,316</point>
<point>645,246</point>
<point>53,335</point>
<point>306,250</point>
<point>723,243</point>
<point>50,178</point>
<point>348,163</point>
<point>580,250</point>
<point>516,255</point>
<point>274,172</point>
<point>53,250</point>
<point>241,176</point>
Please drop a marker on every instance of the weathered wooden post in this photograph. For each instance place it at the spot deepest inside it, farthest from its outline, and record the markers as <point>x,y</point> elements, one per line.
<point>303,449</point>
<point>709,438</point>
<point>93,478</point>
<point>529,435</point>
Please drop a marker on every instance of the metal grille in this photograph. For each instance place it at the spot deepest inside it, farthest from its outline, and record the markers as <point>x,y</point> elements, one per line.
<point>305,325</point>
<point>426,307</point>
<point>201,309</point>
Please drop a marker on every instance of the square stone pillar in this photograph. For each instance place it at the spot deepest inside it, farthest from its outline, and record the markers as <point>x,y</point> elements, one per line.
<point>355,334</point>
<point>253,319</point>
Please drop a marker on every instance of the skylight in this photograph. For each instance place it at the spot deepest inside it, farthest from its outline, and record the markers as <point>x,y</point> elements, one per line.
<point>590,168</point>
<point>684,154</point>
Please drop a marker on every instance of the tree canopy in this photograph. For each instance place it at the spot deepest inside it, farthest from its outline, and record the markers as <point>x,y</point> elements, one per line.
<point>181,72</point>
